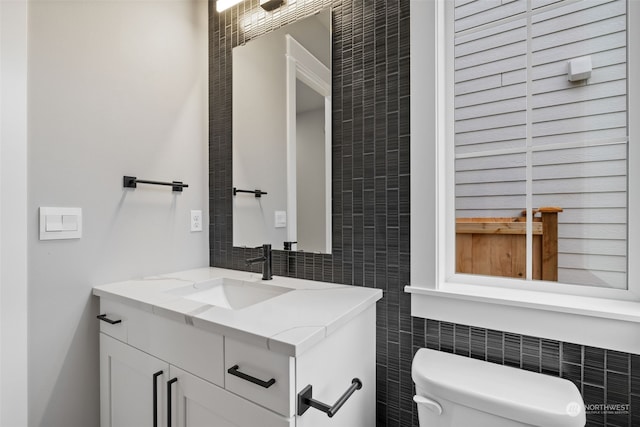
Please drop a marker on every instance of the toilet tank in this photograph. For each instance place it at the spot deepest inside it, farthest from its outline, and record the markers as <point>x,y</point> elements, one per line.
<point>461,391</point>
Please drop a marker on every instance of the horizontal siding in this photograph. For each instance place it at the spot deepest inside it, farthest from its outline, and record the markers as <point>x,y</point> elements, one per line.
<point>581,48</point>
<point>478,85</point>
<point>574,15</point>
<point>492,95</point>
<point>501,36</point>
<point>592,231</point>
<point>601,27</point>
<point>493,55</point>
<point>513,77</point>
<point>491,202</point>
<point>489,31</point>
<point>588,246</point>
<point>581,185</point>
<point>558,83</point>
<point>490,175</point>
<point>482,12</point>
<point>593,262</point>
<point>475,149</point>
<point>459,3</point>
<point>491,122</point>
<point>586,93</point>
<point>499,188</point>
<point>567,7</point>
<point>491,162</point>
<point>491,135</point>
<point>605,279</point>
<point>592,107</point>
<point>491,108</point>
<point>475,7</point>
<point>580,155</point>
<point>497,67</point>
<point>581,170</point>
<point>535,4</point>
<point>598,60</point>
<point>484,213</point>
<point>582,200</point>
<point>584,138</point>
<point>581,124</point>
<point>593,215</point>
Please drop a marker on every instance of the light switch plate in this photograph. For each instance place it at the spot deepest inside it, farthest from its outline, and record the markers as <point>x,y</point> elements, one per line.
<point>60,223</point>
<point>280,219</point>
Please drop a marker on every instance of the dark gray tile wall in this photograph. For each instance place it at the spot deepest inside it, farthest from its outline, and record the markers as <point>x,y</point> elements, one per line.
<point>604,377</point>
<point>371,208</point>
<point>370,188</point>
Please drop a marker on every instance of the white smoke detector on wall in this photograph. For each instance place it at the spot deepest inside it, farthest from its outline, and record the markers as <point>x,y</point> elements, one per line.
<point>580,68</point>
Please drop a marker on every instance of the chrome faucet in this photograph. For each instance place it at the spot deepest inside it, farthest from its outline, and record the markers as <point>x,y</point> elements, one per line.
<point>265,259</point>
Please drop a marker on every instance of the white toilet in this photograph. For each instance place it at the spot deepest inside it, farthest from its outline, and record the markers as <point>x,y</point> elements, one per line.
<point>457,391</point>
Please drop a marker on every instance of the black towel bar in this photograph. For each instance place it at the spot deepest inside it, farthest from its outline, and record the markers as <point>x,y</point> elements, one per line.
<point>257,193</point>
<point>132,181</point>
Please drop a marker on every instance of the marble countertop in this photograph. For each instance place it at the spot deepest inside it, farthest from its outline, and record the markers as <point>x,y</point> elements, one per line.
<point>290,323</point>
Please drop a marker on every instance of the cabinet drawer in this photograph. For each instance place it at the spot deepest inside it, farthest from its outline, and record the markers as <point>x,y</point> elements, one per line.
<point>201,404</point>
<point>115,312</point>
<point>192,349</point>
<point>249,371</point>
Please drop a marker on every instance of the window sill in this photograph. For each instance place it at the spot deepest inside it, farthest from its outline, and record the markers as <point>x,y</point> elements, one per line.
<point>597,322</point>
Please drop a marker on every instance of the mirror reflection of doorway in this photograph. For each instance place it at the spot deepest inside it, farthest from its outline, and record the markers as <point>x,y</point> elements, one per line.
<point>308,84</point>
<point>310,168</point>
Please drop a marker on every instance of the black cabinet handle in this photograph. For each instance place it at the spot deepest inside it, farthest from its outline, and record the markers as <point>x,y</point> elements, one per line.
<point>104,318</point>
<point>155,397</point>
<point>306,401</point>
<point>235,372</point>
<point>169,383</point>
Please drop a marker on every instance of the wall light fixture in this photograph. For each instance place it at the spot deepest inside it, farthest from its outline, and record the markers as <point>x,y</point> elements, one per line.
<point>270,5</point>
<point>222,5</point>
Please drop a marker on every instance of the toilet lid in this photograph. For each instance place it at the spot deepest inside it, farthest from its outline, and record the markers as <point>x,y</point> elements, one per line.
<point>516,394</point>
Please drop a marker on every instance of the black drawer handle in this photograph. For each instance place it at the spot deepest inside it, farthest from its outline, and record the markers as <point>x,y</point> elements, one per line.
<point>104,318</point>
<point>306,401</point>
<point>234,371</point>
<point>169,384</point>
<point>155,397</point>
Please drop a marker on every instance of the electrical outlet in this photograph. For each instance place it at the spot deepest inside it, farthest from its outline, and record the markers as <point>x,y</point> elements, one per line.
<point>196,220</point>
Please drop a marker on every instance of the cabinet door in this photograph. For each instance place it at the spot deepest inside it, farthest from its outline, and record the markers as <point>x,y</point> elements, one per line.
<point>198,403</point>
<point>129,379</point>
<point>329,368</point>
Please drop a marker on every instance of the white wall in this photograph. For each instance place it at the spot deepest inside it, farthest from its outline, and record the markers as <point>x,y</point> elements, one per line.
<point>13,207</point>
<point>115,88</point>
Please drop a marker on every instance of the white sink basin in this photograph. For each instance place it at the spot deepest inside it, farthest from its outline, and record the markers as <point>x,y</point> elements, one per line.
<point>230,293</point>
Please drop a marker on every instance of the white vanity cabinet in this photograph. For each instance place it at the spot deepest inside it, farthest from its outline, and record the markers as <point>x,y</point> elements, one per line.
<point>189,377</point>
<point>128,382</point>
<point>135,385</point>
